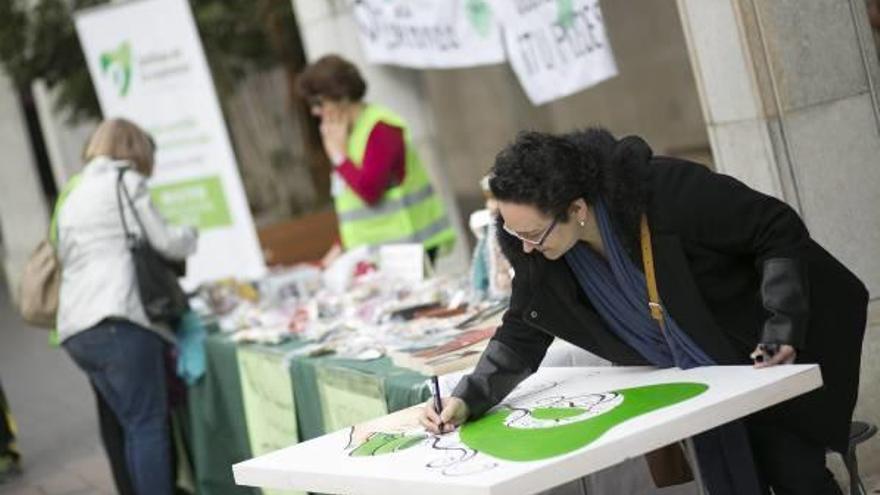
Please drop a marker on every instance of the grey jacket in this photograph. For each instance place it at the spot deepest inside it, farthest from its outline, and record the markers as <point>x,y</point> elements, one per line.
<point>98,278</point>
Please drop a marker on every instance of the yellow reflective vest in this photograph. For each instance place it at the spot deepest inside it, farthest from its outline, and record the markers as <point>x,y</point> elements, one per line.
<point>407,212</point>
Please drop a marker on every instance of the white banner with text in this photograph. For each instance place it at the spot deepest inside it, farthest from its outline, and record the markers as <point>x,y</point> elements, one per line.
<point>556,47</point>
<point>428,33</point>
<point>147,65</point>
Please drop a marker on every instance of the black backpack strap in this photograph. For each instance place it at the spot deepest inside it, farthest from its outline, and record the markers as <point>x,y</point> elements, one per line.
<point>122,190</point>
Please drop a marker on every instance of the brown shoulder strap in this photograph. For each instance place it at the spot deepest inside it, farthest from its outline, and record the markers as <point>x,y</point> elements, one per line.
<point>648,262</point>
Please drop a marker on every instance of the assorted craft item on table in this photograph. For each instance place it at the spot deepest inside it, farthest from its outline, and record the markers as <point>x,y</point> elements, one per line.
<point>432,326</point>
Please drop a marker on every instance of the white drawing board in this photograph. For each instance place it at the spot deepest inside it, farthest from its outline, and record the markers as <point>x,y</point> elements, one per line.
<point>558,425</point>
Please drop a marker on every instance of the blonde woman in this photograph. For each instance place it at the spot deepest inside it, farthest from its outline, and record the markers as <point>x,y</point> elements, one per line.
<point>101,321</point>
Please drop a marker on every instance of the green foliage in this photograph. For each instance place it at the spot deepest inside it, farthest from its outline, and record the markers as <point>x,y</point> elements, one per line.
<point>234,34</point>
<point>12,39</point>
<point>41,42</point>
<point>38,40</point>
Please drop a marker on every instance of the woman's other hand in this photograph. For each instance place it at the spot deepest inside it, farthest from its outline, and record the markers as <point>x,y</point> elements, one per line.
<point>785,355</point>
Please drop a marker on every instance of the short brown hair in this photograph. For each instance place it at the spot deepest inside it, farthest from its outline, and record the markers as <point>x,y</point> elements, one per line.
<point>121,139</point>
<point>332,77</point>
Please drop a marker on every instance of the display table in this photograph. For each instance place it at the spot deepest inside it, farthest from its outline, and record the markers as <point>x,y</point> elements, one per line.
<point>254,399</point>
<point>558,425</point>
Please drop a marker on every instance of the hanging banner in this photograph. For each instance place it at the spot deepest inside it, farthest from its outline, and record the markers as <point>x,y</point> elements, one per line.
<point>349,397</point>
<point>269,408</point>
<point>556,47</point>
<point>147,65</point>
<point>426,34</point>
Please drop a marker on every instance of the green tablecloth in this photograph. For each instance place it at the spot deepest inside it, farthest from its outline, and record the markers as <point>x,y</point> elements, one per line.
<point>325,390</point>
<point>217,432</point>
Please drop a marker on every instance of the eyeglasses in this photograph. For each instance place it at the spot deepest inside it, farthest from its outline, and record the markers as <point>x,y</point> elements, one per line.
<point>540,238</point>
<point>315,101</point>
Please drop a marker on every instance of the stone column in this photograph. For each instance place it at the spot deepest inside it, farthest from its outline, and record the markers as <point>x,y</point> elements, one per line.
<point>326,26</point>
<point>24,214</point>
<point>789,95</point>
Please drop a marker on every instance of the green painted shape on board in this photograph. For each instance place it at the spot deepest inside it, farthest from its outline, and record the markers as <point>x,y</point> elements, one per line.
<point>491,436</point>
<point>386,443</point>
<point>556,412</point>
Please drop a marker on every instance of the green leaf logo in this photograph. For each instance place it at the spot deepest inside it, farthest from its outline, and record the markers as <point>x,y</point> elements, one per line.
<point>480,16</point>
<point>117,64</point>
<point>565,13</point>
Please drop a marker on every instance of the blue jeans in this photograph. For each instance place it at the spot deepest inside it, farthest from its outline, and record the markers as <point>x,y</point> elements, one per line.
<point>126,364</point>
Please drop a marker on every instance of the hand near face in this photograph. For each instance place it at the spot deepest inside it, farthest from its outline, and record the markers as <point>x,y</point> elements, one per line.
<point>334,131</point>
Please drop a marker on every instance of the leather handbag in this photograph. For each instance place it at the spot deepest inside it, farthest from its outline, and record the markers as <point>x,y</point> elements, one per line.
<point>40,284</point>
<point>160,292</point>
<point>668,465</point>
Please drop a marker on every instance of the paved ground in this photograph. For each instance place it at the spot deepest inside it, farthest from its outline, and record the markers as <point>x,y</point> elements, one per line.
<point>53,404</point>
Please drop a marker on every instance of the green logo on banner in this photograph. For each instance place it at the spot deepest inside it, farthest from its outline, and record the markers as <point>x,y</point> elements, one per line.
<point>566,13</point>
<point>198,202</point>
<point>480,16</point>
<point>117,64</point>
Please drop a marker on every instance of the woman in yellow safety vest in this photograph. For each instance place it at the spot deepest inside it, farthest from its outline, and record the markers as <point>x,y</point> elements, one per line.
<point>381,191</point>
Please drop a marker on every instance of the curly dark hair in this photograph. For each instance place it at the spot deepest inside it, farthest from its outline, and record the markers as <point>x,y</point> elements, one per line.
<point>331,77</point>
<point>550,171</point>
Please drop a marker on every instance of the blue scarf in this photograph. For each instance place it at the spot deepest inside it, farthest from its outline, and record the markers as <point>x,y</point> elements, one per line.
<point>618,291</point>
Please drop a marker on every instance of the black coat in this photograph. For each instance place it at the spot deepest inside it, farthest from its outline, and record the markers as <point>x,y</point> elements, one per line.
<point>734,268</point>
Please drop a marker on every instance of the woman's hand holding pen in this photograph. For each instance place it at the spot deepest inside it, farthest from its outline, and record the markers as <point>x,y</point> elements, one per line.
<point>454,413</point>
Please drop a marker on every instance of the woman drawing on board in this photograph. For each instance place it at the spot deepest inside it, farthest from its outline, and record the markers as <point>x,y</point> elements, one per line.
<point>739,280</point>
